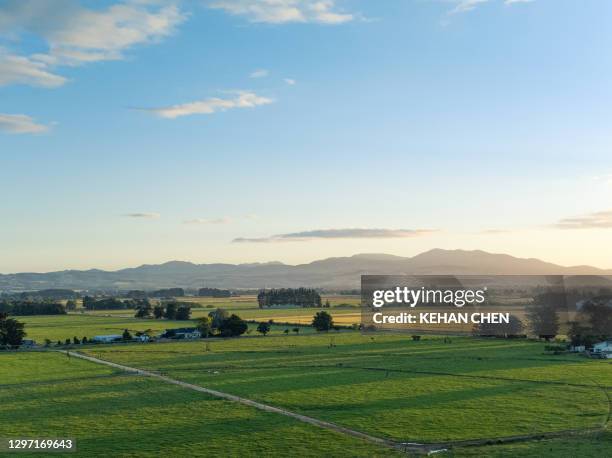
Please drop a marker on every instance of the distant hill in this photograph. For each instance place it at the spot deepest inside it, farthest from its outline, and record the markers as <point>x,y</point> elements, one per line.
<point>331,273</point>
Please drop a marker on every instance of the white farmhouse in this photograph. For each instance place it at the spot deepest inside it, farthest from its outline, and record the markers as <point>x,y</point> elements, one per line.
<point>603,349</point>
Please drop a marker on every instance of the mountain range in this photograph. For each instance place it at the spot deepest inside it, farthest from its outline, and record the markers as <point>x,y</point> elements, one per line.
<point>331,273</point>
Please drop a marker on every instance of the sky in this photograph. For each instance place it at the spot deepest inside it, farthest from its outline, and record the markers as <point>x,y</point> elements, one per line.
<point>237,131</point>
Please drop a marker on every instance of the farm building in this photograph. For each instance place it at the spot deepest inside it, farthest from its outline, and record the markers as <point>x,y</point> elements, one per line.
<point>182,333</point>
<point>603,349</point>
<point>106,339</point>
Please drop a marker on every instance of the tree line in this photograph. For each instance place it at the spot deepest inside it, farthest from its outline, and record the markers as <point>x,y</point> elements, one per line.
<point>303,297</point>
<point>592,323</point>
<point>171,310</point>
<point>28,308</point>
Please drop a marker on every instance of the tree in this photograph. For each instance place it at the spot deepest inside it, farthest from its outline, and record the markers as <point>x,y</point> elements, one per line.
<point>296,330</point>
<point>599,316</point>
<point>286,331</point>
<point>233,326</point>
<point>126,335</point>
<point>170,310</point>
<point>144,309</point>
<point>75,340</point>
<point>158,312</point>
<point>513,328</point>
<point>84,340</point>
<point>71,305</point>
<point>205,326</point>
<point>218,317</point>
<point>263,328</point>
<point>11,331</point>
<point>183,313</point>
<point>67,342</point>
<point>327,305</point>
<point>543,320</point>
<point>322,321</point>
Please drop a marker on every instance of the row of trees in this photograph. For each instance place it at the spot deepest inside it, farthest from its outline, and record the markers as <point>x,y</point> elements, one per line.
<point>27,308</point>
<point>593,323</point>
<point>172,310</point>
<point>303,297</point>
<point>214,292</point>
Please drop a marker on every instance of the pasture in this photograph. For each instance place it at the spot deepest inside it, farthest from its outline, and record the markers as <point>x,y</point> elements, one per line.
<point>385,385</point>
<point>110,413</point>
<point>392,387</point>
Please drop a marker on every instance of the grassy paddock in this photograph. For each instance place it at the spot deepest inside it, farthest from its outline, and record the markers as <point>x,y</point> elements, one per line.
<point>114,414</point>
<point>393,387</point>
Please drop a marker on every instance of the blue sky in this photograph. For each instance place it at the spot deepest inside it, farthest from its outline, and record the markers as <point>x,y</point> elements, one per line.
<point>252,130</point>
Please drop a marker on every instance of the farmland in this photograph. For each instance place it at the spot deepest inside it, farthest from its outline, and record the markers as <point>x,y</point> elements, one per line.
<point>430,391</point>
<point>110,413</point>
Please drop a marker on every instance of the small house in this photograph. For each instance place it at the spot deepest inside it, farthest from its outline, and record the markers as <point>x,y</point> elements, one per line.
<point>603,349</point>
<point>182,333</point>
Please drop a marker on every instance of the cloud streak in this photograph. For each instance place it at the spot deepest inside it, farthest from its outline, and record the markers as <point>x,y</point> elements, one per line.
<point>243,99</point>
<point>597,220</point>
<point>20,124</point>
<point>143,215</point>
<point>464,6</point>
<point>224,220</point>
<point>338,234</point>
<point>260,73</point>
<point>285,11</point>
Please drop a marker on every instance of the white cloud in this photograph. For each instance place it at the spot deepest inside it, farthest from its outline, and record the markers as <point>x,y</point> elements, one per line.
<point>75,35</point>
<point>290,81</point>
<point>464,6</point>
<point>20,124</point>
<point>243,99</point>
<point>285,11</point>
<point>338,234</point>
<point>16,69</point>
<point>144,215</point>
<point>597,220</point>
<point>224,220</point>
<point>260,73</point>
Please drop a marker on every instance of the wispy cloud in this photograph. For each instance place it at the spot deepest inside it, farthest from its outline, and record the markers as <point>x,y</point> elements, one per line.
<point>597,220</point>
<point>243,99</point>
<point>285,11</point>
<point>20,124</point>
<point>224,220</point>
<point>290,81</point>
<point>338,234</point>
<point>76,35</point>
<point>495,231</point>
<point>464,6</point>
<point>260,73</point>
<point>16,69</point>
<point>144,215</point>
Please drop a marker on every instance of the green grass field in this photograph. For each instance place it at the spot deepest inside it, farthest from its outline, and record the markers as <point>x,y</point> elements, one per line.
<point>114,414</point>
<point>393,387</point>
<point>386,385</point>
